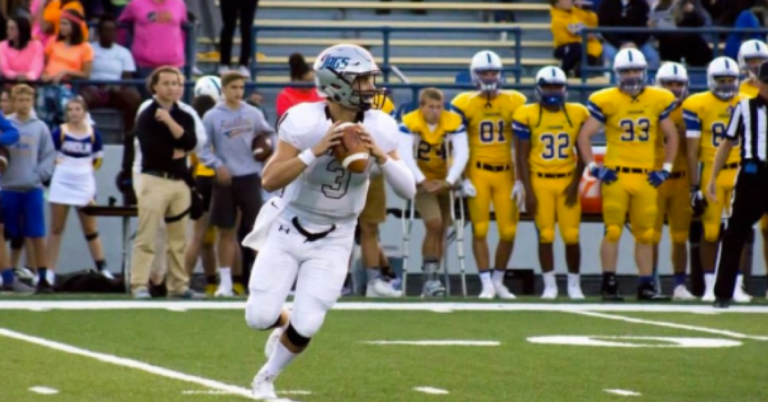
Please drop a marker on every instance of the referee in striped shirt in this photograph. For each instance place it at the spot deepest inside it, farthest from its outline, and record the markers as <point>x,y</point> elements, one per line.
<point>749,127</point>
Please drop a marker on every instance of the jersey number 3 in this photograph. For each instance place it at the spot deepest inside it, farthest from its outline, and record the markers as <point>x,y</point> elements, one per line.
<point>635,130</point>
<point>492,131</point>
<point>340,184</point>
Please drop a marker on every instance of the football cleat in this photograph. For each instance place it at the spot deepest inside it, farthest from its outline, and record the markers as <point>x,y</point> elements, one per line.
<point>709,296</point>
<point>740,296</point>
<point>682,293</point>
<point>263,386</point>
<point>550,293</point>
<point>381,288</point>
<point>502,292</point>
<point>487,293</point>
<point>433,288</point>
<point>648,292</point>
<point>610,292</point>
<point>44,288</point>
<point>224,291</point>
<point>574,292</point>
<point>272,341</point>
<point>210,289</point>
<point>238,289</point>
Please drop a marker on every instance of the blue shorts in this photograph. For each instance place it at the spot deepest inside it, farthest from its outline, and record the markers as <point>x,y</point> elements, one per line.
<point>23,212</point>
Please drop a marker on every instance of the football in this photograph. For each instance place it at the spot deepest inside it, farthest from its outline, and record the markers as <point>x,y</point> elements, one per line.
<point>261,146</point>
<point>351,152</point>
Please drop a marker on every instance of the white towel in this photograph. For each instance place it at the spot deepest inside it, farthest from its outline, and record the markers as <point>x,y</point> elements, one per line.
<point>267,215</point>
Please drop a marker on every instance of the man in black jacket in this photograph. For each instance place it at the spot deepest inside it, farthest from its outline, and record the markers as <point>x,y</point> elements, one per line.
<point>626,14</point>
<point>166,134</point>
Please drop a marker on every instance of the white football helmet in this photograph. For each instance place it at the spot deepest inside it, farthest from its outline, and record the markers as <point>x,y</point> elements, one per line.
<point>673,72</point>
<point>551,75</point>
<point>486,60</point>
<point>630,59</point>
<point>335,71</point>
<point>723,67</point>
<point>750,50</point>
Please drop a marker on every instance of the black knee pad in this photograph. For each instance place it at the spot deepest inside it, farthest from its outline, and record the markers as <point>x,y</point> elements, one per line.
<point>91,237</point>
<point>17,242</point>
<point>296,338</point>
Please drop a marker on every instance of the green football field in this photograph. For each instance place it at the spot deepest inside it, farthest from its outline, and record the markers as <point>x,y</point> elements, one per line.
<point>409,351</point>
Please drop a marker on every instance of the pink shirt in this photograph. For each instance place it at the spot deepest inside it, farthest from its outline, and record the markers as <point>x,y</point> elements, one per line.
<point>158,38</point>
<point>28,61</point>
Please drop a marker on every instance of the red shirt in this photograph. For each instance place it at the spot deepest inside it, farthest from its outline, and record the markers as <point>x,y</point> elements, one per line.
<point>290,97</point>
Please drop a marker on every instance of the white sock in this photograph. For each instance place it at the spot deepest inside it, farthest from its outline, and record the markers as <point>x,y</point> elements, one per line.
<point>709,283</point>
<point>550,282</point>
<point>498,275</point>
<point>485,279</point>
<point>279,360</point>
<point>225,277</point>
<point>373,274</point>
<point>740,281</point>
<point>574,280</point>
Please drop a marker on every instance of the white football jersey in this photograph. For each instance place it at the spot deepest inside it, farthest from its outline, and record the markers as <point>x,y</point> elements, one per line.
<point>326,193</point>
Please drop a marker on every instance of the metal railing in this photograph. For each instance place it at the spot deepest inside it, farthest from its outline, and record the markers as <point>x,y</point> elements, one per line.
<point>386,32</point>
<point>713,35</point>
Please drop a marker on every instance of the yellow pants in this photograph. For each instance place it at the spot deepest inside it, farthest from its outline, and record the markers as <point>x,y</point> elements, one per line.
<point>716,211</point>
<point>493,187</point>
<point>632,194</point>
<point>674,203</point>
<point>550,209</point>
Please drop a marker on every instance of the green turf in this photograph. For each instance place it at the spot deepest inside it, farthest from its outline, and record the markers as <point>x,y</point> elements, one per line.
<point>338,367</point>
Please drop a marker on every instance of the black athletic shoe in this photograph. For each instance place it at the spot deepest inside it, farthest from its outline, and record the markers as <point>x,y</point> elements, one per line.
<point>721,303</point>
<point>44,288</point>
<point>610,290</point>
<point>648,292</point>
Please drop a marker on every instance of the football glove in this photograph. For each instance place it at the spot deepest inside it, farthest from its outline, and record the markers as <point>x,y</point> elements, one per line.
<point>468,189</point>
<point>518,194</point>
<point>657,177</point>
<point>602,173</point>
<point>698,201</point>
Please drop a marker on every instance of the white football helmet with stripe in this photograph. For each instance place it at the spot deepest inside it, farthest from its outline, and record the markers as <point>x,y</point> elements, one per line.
<point>627,60</point>
<point>551,76</point>
<point>751,50</point>
<point>483,61</point>
<point>672,72</point>
<point>723,67</point>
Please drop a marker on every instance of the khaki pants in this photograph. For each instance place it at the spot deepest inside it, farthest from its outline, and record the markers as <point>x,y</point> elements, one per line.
<point>160,198</point>
<point>158,268</point>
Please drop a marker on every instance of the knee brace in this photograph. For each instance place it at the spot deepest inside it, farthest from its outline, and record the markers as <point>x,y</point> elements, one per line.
<point>260,318</point>
<point>17,242</point>
<point>679,237</point>
<point>612,233</point>
<point>479,230</point>
<point>546,236</point>
<point>295,337</point>
<point>571,236</point>
<point>91,237</point>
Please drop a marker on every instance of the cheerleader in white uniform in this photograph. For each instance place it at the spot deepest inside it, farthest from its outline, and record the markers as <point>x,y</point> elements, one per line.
<point>80,152</point>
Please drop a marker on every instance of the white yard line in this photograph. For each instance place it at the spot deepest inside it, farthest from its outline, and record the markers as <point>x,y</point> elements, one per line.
<point>431,390</point>
<point>369,306</point>
<point>129,363</point>
<point>665,324</point>
<point>44,390</point>
<point>449,342</point>
<point>622,392</point>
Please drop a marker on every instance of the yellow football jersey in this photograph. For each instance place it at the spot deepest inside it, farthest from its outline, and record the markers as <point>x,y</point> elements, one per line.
<point>384,103</point>
<point>431,152</point>
<point>680,163</point>
<point>748,89</point>
<point>707,117</point>
<point>199,168</point>
<point>489,124</point>
<point>631,124</point>
<point>552,135</point>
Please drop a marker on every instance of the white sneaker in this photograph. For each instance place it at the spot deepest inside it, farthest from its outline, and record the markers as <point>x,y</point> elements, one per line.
<point>224,291</point>
<point>575,293</point>
<point>740,296</point>
<point>487,293</point>
<point>381,288</point>
<point>549,293</point>
<point>502,292</point>
<point>682,293</point>
<point>105,273</point>
<point>263,386</point>
<point>709,296</point>
<point>272,341</point>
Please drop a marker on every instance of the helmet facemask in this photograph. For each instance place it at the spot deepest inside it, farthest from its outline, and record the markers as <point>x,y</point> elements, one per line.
<point>551,94</point>
<point>724,90</point>
<point>678,87</point>
<point>359,98</point>
<point>485,82</point>
<point>753,64</point>
<point>633,84</point>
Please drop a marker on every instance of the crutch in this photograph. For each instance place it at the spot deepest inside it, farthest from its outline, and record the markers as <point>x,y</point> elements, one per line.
<point>407,223</point>
<point>458,228</point>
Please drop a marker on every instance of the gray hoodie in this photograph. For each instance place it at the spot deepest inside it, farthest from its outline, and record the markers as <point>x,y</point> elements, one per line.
<point>230,134</point>
<point>32,158</point>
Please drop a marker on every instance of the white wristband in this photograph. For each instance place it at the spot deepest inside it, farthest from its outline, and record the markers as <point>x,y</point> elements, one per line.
<point>667,167</point>
<point>307,156</point>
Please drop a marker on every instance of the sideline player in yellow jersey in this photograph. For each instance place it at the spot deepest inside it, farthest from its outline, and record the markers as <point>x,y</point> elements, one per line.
<point>430,129</point>
<point>490,173</point>
<point>706,118</point>
<point>752,53</point>
<point>546,134</point>
<point>673,201</point>
<point>633,115</point>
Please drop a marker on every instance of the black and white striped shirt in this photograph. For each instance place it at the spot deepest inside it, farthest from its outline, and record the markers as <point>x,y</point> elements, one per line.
<point>749,126</point>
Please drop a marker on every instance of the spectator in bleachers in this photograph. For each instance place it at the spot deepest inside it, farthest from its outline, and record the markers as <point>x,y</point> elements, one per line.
<point>48,15</point>
<point>158,35</point>
<point>291,96</point>
<point>669,14</point>
<point>746,18</point>
<point>626,14</point>
<point>568,20</point>
<point>68,57</point>
<point>231,11</point>
<point>79,153</point>
<point>112,62</point>
<point>21,57</point>
<point>6,107</point>
<point>725,12</point>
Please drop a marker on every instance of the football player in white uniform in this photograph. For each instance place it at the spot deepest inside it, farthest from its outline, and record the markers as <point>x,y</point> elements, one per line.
<point>310,240</point>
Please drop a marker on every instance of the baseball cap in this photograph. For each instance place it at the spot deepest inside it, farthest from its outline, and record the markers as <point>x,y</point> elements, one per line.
<point>762,72</point>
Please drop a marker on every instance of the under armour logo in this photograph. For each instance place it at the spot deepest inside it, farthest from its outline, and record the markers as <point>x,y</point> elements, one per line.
<point>283,229</point>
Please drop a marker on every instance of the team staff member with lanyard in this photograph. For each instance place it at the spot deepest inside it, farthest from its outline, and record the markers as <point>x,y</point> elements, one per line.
<point>749,127</point>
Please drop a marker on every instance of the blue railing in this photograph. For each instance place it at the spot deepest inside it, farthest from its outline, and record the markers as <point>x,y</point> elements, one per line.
<point>713,35</point>
<point>386,32</point>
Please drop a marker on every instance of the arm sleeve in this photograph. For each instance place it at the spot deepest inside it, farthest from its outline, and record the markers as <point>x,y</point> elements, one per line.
<point>56,136</point>
<point>460,146</point>
<point>521,130</point>
<point>188,140</point>
<point>205,154</point>
<point>262,127</point>
<point>10,134</point>
<point>400,178</point>
<point>405,150</point>
<point>38,61</point>
<point>46,156</point>
<point>692,124</point>
<point>5,67</point>
<point>596,111</point>
<point>667,110</point>
<point>736,124</point>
